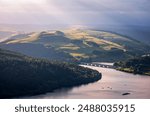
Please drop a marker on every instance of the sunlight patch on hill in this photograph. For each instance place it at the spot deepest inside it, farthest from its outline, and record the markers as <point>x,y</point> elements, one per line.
<point>69,47</point>
<point>32,38</point>
<point>79,55</point>
<point>86,37</point>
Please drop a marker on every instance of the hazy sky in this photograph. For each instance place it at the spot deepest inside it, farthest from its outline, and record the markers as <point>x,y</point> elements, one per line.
<point>75,12</point>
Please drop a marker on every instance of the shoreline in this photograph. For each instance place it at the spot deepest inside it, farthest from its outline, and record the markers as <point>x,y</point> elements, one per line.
<point>114,85</point>
<point>131,71</point>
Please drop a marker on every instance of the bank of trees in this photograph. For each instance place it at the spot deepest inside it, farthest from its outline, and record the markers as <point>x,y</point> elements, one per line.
<point>21,75</point>
<point>140,65</point>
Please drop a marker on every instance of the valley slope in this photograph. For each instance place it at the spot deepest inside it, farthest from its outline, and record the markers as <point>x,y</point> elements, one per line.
<point>77,45</point>
<point>21,75</point>
<point>139,65</point>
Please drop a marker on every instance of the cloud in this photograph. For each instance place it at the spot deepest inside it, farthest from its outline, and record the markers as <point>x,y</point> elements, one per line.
<point>76,11</point>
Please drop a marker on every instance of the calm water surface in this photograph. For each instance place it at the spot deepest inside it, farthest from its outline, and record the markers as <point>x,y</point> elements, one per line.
<point>112,85</point>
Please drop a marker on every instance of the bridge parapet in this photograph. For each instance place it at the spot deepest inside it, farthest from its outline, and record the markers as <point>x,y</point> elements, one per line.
<point>99,65</point>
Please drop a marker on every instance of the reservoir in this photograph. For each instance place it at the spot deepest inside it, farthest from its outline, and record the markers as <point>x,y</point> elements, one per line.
<point>113,85</point>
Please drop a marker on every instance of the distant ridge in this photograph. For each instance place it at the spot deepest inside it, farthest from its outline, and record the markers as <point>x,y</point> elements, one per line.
<point>77,45</point>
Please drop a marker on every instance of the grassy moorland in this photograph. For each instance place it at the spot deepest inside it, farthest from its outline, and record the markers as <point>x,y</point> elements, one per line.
<point>76,45</point>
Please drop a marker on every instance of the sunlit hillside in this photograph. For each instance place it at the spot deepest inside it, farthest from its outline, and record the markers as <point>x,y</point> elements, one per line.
<point>76,45</point>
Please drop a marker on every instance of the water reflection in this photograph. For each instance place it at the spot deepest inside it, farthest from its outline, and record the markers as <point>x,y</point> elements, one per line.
<point>114,84</point>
